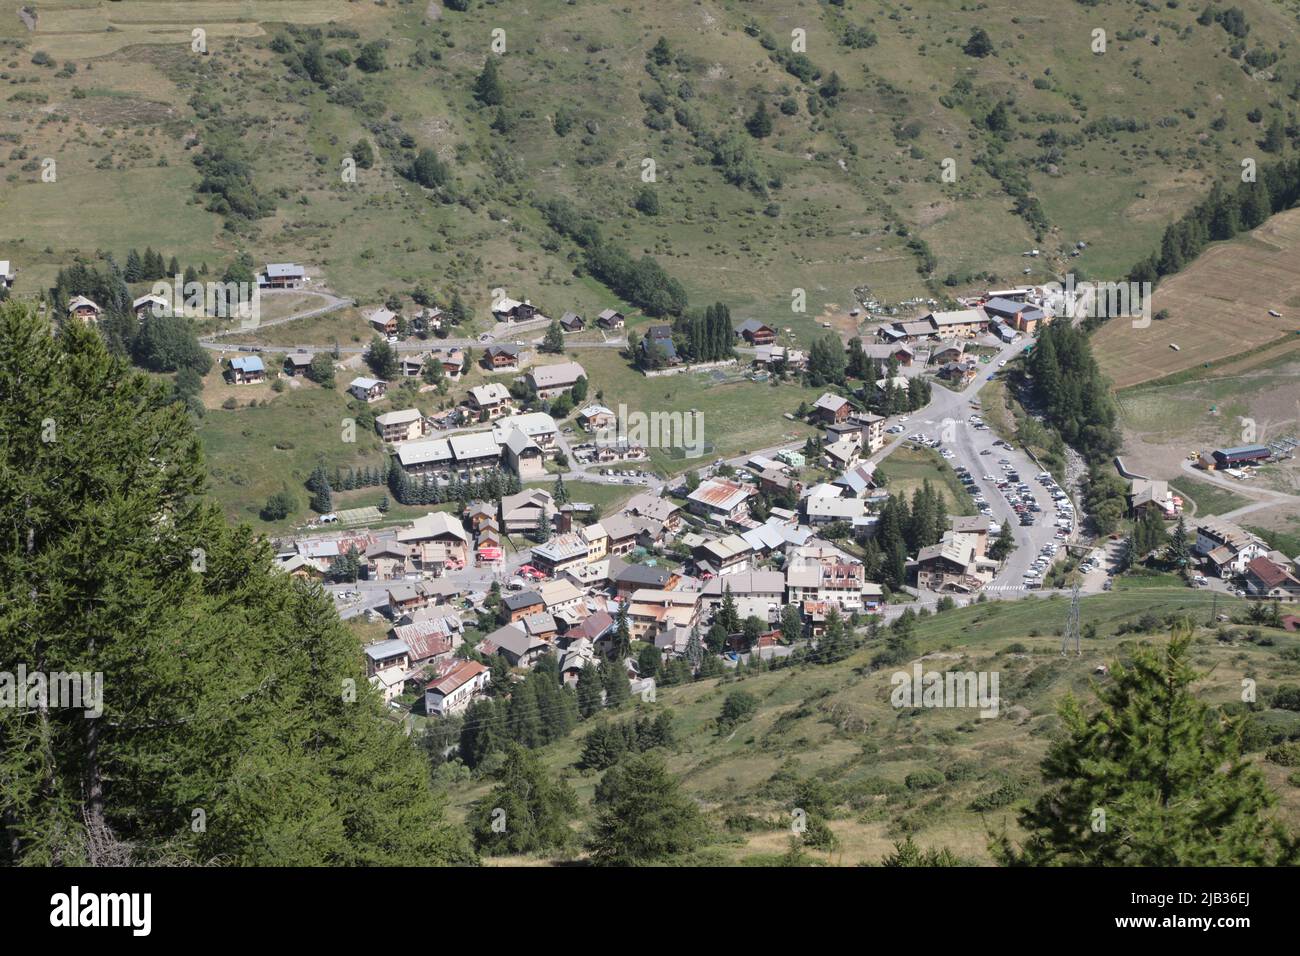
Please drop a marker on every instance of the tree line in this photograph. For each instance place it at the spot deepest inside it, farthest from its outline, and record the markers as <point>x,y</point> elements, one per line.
<point>642,282</point>
<point>232,693</point>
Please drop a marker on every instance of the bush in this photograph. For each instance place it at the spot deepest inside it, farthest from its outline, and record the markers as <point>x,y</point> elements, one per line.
<point>926,779</point>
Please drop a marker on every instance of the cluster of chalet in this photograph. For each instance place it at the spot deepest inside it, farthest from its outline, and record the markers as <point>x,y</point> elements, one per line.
<point>850,434</point>
<point>1006,313</point>
<point>520,443</point>
<point>1230,551</point>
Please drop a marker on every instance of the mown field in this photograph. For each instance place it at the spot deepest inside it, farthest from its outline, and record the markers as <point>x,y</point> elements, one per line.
<point>1217,308</point>
<point>835,723</point>
<point>908,468</point>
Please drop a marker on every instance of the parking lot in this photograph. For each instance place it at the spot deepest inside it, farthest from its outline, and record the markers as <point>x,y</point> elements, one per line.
<point>1006,486</point>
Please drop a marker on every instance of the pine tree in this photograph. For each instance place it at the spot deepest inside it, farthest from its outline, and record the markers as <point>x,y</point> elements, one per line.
<point>613,677</point>
<point>554,339</point>
<point>590,691</point>
<point>644,817</point>
<point>527,811</point>
<point>1153,778</point>
<point>234,689</point>
<point>487,88</point>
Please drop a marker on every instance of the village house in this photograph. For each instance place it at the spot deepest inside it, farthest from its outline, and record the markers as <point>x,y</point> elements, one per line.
<point>430,639</point>
<point>658,346</point>
<point>560,596</point>
<point>527,510</point>
<point>830,409</point>
<point>773,481</point>
<point>518,605</point>
<point>720,500</point>
<point>654,507</point>
<point>873,430</point>
<point>511,310</point>
<point>832,581</point>
<point>966,323</point>
<point>857,481</point>
<point>368,389</point>
<point>842,454</point>
<point>1226,547</point>
<point>610,319</point>
<point>552,380</point>
<point>756,333</point>
<point>541,625</point>
<point>6,274</point>
<point>596,418</point>
<point>246,370</point>
<point>300,566</point>
<point>385,654</point>
<point>898,382</point>
<point>388,561</point>
<point>950,351</point>
<point>767,587</point>
<point>452,692</point>
<point>428,320</point>
<point>453,362</point>
<point>524,456</point>
<point>282,275</point>
<point>560,553</point>
<point>597,539</point>
<point>572,322</point>
<point>297,363</point>
<point>959,374</point>
<point>766,356</point>
<point>643,577</point>
<point>438,542</point>
<point>383,321</point>
<point>516,645</point>
<point>954,564</point>
<point>621,531</point>
<point>1268,580</point>
<point>501,356</point>
<point>650,612</point>
<point>723,556</point>
<point>828,509</point>
<point>538,426</point>
<point>82,308</point>
<point>149,305</point>
<point>1146,494</point>
<point>399,426</point>
<point>1020,316</point>
<point>409,597</point>
<point>490,401</point>
<point>849,431</point>
<point>900,352</point>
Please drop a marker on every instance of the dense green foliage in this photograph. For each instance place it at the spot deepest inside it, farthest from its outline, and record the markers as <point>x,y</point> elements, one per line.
<point>238,726</point>
<point>1152,778</point>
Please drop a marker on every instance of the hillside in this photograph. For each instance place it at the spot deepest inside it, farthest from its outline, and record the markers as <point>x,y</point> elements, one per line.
<point>829,200</point>
<point>944,776</point>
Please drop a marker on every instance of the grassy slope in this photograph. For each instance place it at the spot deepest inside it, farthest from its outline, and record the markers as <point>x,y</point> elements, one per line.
<point>836,723</point>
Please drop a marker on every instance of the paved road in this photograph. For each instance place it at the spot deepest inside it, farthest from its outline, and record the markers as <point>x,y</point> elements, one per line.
<point>1263,497</point>
<point>949,411</point>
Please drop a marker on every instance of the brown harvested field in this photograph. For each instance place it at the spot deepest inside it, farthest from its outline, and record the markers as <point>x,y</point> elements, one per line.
<point>1218,307</point>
